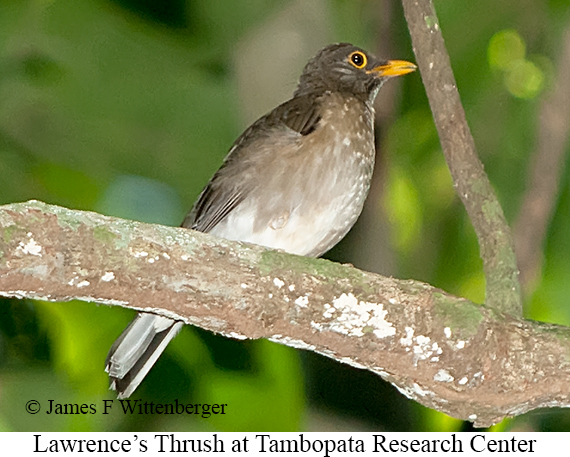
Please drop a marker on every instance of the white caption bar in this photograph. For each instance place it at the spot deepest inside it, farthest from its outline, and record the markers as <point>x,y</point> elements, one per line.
<point>290,444</point>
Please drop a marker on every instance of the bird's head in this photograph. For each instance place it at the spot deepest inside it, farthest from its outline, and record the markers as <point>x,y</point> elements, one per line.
<point>346,68</point>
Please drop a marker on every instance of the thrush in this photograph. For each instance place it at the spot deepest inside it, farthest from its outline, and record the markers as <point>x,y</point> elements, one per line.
<point>295,180</point>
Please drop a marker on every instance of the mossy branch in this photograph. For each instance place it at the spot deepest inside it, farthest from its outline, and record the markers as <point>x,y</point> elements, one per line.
<point>445,352</point>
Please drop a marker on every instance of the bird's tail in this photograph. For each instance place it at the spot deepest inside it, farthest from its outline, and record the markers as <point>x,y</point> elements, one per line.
<point>134,353</point>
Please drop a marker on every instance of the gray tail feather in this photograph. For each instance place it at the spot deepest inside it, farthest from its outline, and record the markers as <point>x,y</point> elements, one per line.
<point>134,353</point>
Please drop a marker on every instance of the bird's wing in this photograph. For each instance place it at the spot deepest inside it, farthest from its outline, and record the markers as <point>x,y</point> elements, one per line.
<point>286,123</point>
<point>300,114</point>
<point>213,205</point>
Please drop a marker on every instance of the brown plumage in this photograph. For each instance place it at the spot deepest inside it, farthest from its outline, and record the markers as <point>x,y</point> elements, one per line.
<point>295,180</point>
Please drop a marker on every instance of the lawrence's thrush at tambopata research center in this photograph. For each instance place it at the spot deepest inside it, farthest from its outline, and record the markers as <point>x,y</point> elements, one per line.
<point>295,180</point>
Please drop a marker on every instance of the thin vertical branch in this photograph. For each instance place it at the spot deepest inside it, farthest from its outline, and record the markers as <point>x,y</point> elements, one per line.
<point>545,171</point>
<point>470,180</point>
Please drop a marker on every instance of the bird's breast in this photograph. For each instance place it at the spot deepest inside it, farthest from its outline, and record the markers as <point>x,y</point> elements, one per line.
<point>310,192</point>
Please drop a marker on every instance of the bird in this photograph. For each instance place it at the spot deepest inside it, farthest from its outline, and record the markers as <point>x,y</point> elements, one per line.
<point>295,180</point>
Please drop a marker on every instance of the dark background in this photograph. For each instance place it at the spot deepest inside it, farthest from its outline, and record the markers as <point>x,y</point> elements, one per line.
<point>127,107</point>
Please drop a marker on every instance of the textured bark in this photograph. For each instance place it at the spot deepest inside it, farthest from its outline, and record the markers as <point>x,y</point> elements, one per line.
<point>445,352</point>
<point>471,183</point>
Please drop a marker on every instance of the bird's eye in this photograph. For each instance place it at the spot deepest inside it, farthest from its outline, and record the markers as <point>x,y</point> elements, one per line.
<point>358,59</point>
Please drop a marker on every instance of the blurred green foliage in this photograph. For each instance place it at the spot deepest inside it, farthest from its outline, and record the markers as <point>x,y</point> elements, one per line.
<point>127,107</point>
<point>506,52</point>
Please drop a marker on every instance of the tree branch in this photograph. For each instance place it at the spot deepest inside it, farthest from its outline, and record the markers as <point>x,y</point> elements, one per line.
<point>547,166</point>
<point>471,183</point>
<point>447,353</point>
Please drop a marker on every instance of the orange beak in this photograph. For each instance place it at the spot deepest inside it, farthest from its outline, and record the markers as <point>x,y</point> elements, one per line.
<point>394,68</point>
